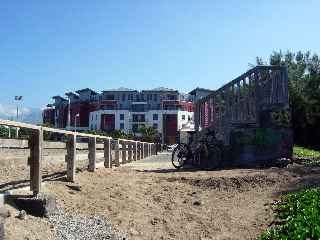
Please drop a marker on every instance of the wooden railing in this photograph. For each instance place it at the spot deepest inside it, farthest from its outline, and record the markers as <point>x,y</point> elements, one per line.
<point>241,100</point>
<point>130,151</point>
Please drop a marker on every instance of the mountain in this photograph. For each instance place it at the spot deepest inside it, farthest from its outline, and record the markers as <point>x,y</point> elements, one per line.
<point>27,115</point>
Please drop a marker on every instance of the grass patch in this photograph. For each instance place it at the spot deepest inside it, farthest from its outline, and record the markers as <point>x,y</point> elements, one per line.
<point>305,152</point>
<point>297,216</point>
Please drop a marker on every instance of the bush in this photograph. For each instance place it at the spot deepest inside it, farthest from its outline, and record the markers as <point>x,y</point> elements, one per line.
<point>298,215</point>
<point>305,152</point>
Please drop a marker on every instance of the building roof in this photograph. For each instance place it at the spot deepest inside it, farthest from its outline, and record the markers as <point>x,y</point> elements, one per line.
<point>193,92</point>
<point>72,94</point>
<point>86,90</point>
<point>160,89</point>
<point>59,97</point>
<point>120,89</point>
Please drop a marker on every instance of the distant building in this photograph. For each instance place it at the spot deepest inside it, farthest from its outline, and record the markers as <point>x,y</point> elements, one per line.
<point>164,109</point>
<point>199,93</point>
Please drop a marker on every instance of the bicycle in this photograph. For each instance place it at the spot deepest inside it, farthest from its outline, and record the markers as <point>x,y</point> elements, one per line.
<point>199,154</point>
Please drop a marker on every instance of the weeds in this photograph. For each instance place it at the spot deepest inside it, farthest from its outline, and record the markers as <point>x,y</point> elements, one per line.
<point>297,217</point>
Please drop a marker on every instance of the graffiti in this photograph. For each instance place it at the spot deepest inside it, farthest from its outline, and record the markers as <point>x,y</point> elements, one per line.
<point>260,137</point>
<point>281,118</point>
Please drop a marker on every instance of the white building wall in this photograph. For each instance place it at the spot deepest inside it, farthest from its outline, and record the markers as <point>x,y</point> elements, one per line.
<point>95,118</point>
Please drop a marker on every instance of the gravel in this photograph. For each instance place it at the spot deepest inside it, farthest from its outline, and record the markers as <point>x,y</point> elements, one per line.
<point>82,227</point>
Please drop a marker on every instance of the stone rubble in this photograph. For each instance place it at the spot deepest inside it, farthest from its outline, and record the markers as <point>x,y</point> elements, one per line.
<point>83,227</point>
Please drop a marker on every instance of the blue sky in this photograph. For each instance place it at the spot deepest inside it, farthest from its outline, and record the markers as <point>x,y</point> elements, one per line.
<point>51,47</point>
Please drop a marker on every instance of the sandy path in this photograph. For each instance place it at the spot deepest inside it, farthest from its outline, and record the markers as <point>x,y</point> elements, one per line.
<point>150,200</point>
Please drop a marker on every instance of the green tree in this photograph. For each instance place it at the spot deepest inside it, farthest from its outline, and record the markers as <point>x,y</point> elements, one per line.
<point>304,93</point>
<point>148,133</point>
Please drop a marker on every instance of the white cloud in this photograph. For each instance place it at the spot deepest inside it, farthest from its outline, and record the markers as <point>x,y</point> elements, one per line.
<point>11,111</point>
<point>29,115</point>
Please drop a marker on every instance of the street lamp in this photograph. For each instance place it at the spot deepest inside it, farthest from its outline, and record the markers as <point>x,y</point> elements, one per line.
<point>17,98</point>
<point>75,121</point>
<point>69,114</point>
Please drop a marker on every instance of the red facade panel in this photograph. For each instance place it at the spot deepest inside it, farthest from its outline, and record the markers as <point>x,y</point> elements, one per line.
<point>108,122</point>
<point>170,127</point>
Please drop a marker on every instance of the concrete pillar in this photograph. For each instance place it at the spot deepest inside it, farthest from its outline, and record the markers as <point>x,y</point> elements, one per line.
<point>117,153</point>
<point>35,160</point>
<point>107,154</point>
<point>92,154</point>
<point>71,157</point>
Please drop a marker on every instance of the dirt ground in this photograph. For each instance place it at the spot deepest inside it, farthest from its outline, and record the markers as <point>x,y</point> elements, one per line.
<point>150,200</point>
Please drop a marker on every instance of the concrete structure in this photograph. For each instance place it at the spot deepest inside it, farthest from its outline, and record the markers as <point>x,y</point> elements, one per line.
<point>124,109</point>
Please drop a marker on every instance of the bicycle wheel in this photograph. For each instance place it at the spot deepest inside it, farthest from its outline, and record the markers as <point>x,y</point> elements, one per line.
<point>180,155</point>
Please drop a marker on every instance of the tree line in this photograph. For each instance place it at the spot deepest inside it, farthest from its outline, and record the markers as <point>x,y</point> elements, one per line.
<point>304,93</point>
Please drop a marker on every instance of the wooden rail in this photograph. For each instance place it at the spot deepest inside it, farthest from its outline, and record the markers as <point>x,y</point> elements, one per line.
<point>130,151</point>
<point>240,101</point>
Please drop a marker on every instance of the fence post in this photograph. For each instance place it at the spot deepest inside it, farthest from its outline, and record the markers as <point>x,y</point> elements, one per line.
<point>147,149</point>
<point>142,151</point>
<point>130,151</point>
<point>35,160</point>
<point>117,153</point>
<point>152,149</point>
<point>107,154</point>
<point>135,151</point>
<point>71,157</point>
<point>124,151</point>
<point>92,154</point>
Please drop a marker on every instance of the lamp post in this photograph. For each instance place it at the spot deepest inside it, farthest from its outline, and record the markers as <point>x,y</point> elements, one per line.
<point>68,120</point>
<point>75,121</point>
<point>17,98</point>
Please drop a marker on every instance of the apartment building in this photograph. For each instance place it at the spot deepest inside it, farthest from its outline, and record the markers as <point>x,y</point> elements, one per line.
<point>125,109</point>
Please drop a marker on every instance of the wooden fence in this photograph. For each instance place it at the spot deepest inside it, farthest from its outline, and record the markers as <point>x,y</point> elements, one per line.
<point>250,115</point>
<point>130,151</point>
<point>241,101</point>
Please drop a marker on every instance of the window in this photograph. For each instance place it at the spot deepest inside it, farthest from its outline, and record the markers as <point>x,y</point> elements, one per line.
<point>92,117</point>
<point>183,117</point>
<point>138,107</point>
<point>155,117</point>
<point>96,117</point>
<point>135,128</point>
<point>110,97</point>
<point>138,118</point>
<point>155,97</point>
<point>171,97</point>
<point>121,116</point>
<point>121,126</point>
<point>155,125</point>
<point>123,97</point>
<point>189,118</point>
